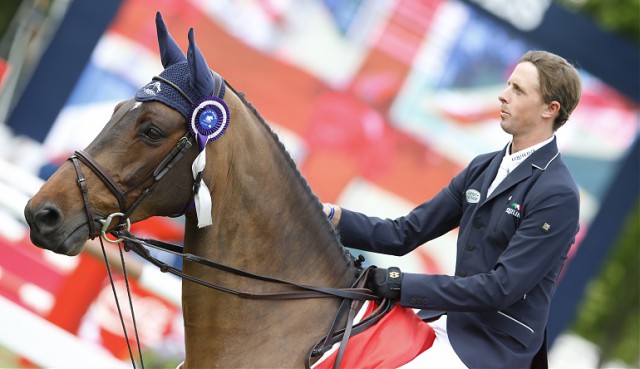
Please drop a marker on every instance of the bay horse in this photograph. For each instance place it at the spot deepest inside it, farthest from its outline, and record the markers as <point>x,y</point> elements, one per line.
<point>151,159</point>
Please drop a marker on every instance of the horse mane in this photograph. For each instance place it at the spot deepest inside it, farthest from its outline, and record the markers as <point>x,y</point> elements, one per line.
<point>317,206</point>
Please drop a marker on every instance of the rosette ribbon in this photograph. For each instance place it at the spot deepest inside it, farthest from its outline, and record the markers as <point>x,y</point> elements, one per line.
<point>209,120</point>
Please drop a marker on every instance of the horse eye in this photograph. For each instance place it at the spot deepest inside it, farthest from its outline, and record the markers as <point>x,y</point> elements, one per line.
<point>152,133</point>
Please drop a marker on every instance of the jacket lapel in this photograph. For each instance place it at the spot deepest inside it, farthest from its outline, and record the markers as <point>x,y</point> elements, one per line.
<point>491,172</point>
<point>522,172</point>
<point>539,160</point>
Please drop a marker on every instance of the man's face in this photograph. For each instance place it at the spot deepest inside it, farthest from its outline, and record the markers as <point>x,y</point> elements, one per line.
<point>522,106</point>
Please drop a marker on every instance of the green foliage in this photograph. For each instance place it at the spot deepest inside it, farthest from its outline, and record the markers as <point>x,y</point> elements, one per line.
<point>8,9</point>
<point>618,16</point>
<point>610,313</point>
<point>158,359</point>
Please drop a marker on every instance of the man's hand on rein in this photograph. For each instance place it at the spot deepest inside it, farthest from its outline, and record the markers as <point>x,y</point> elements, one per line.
<point>385,283</point>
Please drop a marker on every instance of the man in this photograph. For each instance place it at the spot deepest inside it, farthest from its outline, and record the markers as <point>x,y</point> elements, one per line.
<point>517,210</point>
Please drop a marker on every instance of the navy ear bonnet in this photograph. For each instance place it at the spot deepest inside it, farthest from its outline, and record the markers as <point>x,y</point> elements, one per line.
<point>178,75</point>
<point>184,81</point>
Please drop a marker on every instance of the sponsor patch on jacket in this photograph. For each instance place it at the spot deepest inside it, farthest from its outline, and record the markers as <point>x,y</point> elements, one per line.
<point>473,196</point>
<point>514,209</point>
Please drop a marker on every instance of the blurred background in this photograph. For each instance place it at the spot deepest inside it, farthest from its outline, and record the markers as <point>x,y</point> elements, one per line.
<point>379,102</point>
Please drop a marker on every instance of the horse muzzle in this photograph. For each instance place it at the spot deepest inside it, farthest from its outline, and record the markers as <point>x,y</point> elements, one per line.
<point>51,231</point>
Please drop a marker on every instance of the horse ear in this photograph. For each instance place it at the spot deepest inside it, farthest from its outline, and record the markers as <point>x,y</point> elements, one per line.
<point>170,52</point>
<point>201,77</point>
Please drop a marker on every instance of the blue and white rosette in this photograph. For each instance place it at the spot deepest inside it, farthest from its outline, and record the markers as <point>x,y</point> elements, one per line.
<point>209,120</point>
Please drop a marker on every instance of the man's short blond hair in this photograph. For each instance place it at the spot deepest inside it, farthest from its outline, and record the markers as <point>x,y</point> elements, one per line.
<point>559,81</point>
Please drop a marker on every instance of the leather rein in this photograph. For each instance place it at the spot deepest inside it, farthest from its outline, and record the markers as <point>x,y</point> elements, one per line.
<point>350,296</point>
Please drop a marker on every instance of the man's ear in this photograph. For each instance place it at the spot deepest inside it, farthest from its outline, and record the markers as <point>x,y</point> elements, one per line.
<point>552,110</point>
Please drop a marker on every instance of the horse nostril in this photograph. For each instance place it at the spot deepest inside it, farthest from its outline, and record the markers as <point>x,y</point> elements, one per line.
<point>48,218</point>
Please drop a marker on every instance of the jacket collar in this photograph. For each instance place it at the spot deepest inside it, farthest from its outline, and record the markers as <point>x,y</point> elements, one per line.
<point>541,159</point>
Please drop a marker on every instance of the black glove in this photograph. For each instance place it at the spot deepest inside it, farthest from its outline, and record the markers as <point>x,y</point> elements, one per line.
<point>385,283</point>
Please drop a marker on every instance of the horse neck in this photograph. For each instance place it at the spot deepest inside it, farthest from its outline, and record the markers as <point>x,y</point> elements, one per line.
<point>264,210</point>
<point>265,221</point>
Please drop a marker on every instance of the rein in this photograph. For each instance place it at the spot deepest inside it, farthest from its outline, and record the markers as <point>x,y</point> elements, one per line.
<point>115,297</point>
<point>137,245</point>
<point>350,296</point>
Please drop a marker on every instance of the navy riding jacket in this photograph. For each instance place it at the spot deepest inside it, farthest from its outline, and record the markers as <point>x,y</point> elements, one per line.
<point>510,250</point>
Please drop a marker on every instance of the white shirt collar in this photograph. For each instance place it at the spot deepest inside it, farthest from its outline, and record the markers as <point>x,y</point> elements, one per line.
<point>511,161</point>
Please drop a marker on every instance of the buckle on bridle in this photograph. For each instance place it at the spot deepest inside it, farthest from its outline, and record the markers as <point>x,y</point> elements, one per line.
<point>107,222</point>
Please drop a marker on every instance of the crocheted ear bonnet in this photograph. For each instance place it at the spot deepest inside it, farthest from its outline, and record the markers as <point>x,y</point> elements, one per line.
<point>191,88</point>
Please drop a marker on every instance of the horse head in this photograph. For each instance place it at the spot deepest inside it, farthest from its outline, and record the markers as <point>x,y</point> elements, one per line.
<point>137,154</point>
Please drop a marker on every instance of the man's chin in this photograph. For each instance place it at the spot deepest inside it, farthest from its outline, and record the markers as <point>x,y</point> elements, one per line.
<point>504,124</point>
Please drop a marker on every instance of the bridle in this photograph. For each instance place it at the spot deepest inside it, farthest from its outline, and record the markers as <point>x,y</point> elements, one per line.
<point>157,174</point>
<point>121,196</point>
<point>349,296</point>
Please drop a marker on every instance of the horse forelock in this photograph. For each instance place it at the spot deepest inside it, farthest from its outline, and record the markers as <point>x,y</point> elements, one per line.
<point>313,199</point>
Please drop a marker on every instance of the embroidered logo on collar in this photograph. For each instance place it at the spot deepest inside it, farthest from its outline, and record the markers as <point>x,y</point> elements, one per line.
<point>519,156</point>
<point>514,209</point>
<point>473,196</point>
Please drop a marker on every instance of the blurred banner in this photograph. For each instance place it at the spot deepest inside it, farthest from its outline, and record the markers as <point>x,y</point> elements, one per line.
<point>380,103</point>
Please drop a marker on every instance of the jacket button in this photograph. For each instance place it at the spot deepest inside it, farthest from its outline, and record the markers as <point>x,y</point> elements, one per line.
<point>470,247</point>
<point>462,273</point>
<point>477,223</point>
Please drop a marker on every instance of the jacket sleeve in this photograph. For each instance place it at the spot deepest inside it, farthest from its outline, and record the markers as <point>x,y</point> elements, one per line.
<point>535,254</point>
<point>399,236</point>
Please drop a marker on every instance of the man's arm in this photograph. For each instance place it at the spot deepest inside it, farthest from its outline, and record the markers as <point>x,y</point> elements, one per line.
<point>401,235</point>
<point>533,256</point>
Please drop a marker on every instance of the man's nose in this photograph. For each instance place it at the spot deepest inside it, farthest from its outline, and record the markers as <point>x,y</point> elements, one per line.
<point>502,97</point>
